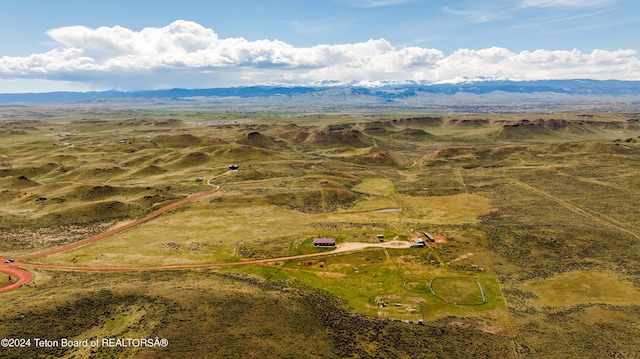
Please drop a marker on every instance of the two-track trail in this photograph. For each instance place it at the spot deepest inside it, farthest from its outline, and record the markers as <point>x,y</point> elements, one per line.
<point>592,215</point>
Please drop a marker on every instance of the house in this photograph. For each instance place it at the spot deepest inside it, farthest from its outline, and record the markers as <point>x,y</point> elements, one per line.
<point>380,236</point>
<point>324,242</point>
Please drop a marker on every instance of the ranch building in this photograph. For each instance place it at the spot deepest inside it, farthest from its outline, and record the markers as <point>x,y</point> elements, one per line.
<point>429,237</point>
<point>418,243</point>
<point>324,242</point>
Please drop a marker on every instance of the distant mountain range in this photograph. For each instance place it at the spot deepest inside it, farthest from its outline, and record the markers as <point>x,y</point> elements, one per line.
<point>382,93</point>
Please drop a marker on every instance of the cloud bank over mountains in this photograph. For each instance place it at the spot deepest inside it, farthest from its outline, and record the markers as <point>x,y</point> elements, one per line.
<point>186,54</point>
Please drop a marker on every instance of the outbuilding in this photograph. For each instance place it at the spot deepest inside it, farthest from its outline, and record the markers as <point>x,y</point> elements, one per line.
<point>429,237</point>
<point>324,242</point>
<point>418,243</point>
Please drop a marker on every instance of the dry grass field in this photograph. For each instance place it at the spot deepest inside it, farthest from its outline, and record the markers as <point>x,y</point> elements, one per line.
<point>535,215</point>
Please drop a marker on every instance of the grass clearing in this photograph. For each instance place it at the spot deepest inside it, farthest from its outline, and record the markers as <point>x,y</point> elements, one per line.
<point>201,233</point>
<point>375,187</point>
<point>582,287</point>
<point>462,208</point>
<point>458,291</point>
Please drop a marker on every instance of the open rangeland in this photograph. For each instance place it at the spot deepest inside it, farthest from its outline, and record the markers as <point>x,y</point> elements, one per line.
<point>534,218</point>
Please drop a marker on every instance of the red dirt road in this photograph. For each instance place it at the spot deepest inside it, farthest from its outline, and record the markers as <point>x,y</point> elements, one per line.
<point>146,218</point>
<point>14,269</point>
<point>11,269</point>
<point>22,277</point>
<point>346,247</point>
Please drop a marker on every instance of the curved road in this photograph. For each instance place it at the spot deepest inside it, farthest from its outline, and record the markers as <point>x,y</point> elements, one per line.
<point>146,218</point>
<point>14,269</point>
<point>21,275</point>
<point>10,269</point>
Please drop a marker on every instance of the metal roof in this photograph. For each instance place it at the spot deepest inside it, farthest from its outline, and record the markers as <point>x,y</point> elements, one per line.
<point>324,240</point>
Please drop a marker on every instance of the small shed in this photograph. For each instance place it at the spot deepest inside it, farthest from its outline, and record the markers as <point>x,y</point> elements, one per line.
<point>234,168</point>
<point>380,236</point>
<point>429,237</point>
<point>324,242</point>
<point>418,243</point>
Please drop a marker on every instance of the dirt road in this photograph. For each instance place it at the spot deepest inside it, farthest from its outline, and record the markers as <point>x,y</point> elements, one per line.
<point>14,269</point>
<point>146,218</point>
<point>18,277</point>
<point>342,248</point>
<point>23,276</point>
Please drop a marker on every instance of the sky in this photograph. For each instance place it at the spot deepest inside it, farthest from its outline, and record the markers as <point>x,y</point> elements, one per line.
<point>87,45</point>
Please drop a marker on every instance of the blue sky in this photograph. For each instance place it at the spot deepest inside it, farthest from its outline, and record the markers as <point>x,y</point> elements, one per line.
<point>130,45</point>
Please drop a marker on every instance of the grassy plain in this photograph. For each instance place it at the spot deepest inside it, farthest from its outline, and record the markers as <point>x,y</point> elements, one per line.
<point>537,213</point>
<point>575,288</point>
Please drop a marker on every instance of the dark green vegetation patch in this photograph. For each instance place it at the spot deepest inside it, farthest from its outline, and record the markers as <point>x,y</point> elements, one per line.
<point>219,315</point>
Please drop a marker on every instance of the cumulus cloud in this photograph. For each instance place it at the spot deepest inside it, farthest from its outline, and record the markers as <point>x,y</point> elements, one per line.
<point>186,54</point>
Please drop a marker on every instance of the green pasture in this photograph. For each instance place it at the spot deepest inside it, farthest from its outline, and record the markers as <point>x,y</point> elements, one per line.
<point>366,278</point>
<point>458,291</point>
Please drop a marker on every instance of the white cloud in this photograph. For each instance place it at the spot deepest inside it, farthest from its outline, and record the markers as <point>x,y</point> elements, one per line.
<point>375,3</point>
<point>481,14</point>
<point>542,64</point>
<point>565,3</point>
<point>185,54</point>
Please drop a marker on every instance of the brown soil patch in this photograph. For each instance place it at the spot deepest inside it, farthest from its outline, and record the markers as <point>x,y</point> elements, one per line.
<point>461,325</point>
<point>492,329</point>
